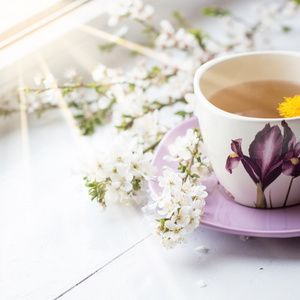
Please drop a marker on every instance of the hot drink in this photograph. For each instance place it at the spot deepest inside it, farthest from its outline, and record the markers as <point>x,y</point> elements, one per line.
<point>259,99</point>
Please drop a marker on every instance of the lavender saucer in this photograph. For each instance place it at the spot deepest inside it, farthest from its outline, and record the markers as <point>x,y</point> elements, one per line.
<point>223,214</point>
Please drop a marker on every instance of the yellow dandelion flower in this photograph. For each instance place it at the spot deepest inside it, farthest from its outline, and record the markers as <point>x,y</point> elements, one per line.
<point>290,107</point>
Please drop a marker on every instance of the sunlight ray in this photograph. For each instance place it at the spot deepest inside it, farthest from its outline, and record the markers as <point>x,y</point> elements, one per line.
<point>24,129</point>
<point>82,145</point>
<point>162,57</point>
<point>86,61</point>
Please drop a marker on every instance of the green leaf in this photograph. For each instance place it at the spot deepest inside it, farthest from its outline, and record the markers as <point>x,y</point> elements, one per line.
<point>101,89</point>
<point>66,91</point>
<point>131,87</point>
<point>182,168</point>
<point>136,184</point>
<point>199,36</point>
<point>91,85</point>
<point>26,89</point>
<point>108,47</point>
<point>180,19</point>
<point>97,190</point>
<point>154,72</point>
<point>166,230</point>
<point>214,11</point>
<point>162,221</point>
<point>189,172</point>
<point>296,1</point>
<point>147,31</point>
<point>195,175</point>
<point>80,116</point>
<point>87,126</point>
<point>181,113</point>
<point>286,28</point>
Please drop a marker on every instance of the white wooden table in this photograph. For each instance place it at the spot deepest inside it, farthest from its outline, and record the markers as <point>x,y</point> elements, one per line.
<point>56,244</point>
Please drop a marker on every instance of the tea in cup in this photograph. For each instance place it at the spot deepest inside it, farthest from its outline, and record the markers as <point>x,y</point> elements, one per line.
<point>253,150</point>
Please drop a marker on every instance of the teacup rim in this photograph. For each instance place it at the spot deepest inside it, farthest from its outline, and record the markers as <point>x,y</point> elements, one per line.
<point>204,67</point>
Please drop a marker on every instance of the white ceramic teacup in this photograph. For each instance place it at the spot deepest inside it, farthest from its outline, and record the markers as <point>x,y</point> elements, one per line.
<point>256,160</point>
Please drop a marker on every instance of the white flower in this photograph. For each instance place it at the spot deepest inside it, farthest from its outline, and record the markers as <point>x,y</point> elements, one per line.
<point>191,103</point>
<point>289,9</point>
<point>203,169</point>
<point>71,74</point>
<point>179,84</point>
<point>130,104</point>
<point>141,165</point>
<point>185,40</point>
<point>170,180</point>
<point>113,21</point>
<point>167,27</point>
<point>50,82</point>
<point>104,102</point>
<point>121,31</point>
<point>107,75</point>
<point>114,195</point>
<point>227,21</point>
<point>38,79</point>
<point>102,171</point>
<point>184,146</point>
<point>169,239</point>
<point>122,182</point>
<point>50,96</point>
<point>187,192</point>
<point>170,224</point>
<point>267,14</point>
<point>165,38</point>
<point>137,76</point>
<point>166,204</point>
<point>134,9</point>
<point>116,10</point>
<point>124,173</point>
<point>99,72</point>
<point>182,199</point>
<point>32,103</point>
<point>120,161</point>
<point>140,12</point>
<point>148,128</point>
<point>182,216</point>
<point>115,75</point>
<point>164,41</point>
<point>180,39</point>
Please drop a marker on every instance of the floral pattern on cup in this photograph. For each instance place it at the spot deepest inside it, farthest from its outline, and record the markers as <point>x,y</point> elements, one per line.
<point>270,154</point>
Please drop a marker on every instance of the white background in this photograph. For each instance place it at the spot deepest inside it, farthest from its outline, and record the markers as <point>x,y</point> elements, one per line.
<point>55,242</point>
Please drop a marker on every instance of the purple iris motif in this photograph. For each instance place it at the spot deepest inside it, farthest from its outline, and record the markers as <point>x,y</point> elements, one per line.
<point>291,166</point>
<point>270,154</point>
